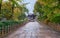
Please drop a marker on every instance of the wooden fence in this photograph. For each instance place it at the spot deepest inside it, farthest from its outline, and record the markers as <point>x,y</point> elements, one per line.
<point>4,30</point>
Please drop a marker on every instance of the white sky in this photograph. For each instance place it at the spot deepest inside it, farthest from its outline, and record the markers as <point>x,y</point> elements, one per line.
<point>30,6</point>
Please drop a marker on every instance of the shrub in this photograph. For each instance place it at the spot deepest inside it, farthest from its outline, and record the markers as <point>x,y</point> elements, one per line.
<point>9,22</point>
<point>55,18</point>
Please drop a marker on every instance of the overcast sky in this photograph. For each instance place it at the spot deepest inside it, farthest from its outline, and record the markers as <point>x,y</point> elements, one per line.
<point>30,6</point>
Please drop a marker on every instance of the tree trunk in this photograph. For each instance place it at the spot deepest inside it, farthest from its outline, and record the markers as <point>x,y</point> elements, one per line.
<point>12,11</point>
<point>0,8</point>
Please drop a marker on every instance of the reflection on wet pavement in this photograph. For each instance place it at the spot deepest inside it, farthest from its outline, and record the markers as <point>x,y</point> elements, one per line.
<point>34,30</point>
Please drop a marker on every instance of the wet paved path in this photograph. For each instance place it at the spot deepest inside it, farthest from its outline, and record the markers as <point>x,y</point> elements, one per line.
<point>34,30</point>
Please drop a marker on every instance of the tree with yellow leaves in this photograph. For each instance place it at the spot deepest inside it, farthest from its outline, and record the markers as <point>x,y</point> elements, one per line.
<point>49,10</point>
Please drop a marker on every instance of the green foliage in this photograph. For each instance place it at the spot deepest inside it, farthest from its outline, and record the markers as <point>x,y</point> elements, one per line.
<point>11,14</point>
<point>9,22</point>
<point>37,7</point>
<point>23,16</point>
<point>55,18</point>
<point>48,9</point>
<point>12,10</point>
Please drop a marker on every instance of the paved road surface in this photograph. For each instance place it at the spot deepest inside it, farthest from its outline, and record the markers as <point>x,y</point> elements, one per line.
<point>34,30</point>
